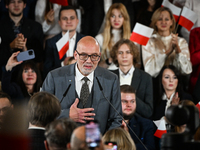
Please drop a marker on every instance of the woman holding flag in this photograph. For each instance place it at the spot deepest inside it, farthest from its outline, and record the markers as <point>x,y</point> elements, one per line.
<point>117,26</point>
<point>164,47</point>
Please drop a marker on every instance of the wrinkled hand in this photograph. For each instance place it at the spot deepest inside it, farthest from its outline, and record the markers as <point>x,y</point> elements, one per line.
<point>19,42</point>
<point>175,99</point>
<point>124,126</point>
<point>50,16</point>
<point>12,61</point>
<point>80,115</point>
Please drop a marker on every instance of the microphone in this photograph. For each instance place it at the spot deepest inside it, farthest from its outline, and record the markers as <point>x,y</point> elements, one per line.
<point>101,89</point>
<point>65,93</point>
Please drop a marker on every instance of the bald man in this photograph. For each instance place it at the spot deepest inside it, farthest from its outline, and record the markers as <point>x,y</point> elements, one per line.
<point>78,140</point>
<point>87,103</point>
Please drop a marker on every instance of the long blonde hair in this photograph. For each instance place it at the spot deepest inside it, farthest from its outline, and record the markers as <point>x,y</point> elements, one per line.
<point>107,33</point>
<point>122,137</point>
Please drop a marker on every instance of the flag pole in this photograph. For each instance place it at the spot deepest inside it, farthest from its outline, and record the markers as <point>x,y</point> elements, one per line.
<point>178,21</point>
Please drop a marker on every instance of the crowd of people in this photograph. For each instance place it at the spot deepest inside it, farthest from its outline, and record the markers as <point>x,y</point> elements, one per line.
<point>103,77</point>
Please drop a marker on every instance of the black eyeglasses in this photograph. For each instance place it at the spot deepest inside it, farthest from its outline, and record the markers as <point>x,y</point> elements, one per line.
<point>93,57</point>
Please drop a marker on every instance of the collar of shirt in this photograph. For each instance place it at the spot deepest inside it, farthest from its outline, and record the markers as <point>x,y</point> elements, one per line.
<point>165,97</point>
<point>79,75</point>
<point>37,128</point>
<point>73,37</point>
<point>130,72</point>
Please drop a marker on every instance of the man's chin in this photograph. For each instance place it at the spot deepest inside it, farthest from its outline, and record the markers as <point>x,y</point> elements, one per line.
<point>128,116</point>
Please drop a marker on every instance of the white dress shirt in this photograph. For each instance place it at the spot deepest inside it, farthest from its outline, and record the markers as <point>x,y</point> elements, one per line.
<point>80,82</point>
<point>126,78</point>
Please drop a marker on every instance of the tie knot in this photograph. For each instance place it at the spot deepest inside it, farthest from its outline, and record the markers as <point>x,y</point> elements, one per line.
<point>85,79</point>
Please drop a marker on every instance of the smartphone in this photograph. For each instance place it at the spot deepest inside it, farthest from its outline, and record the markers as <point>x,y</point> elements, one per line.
<point>110,145</point>
<point>93,135</point>
<point>26,55</point>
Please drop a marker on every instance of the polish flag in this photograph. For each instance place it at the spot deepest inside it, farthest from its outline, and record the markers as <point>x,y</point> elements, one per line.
<point>141,34</point>
<point>161,129</point>
<point>175,10</point>
<point>60,2</point>
<point>63,45</point>
<point>187,18</point>
<point>198,106</point>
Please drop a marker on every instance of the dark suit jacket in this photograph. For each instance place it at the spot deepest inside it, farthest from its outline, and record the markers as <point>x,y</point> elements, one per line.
<point>52,60</point>
<point>142,82</point>
<point>37,139</point>
<point>144,129</point>
<point>59,79</point>
<point>30,29</point>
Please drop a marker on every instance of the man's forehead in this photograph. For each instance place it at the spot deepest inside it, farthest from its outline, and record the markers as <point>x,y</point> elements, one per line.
<point>4,102</point>
<point>128,96</point>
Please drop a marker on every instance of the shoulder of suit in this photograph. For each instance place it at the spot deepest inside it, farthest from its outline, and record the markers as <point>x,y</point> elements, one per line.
<point>55,38</point>
<point>143,73</point>
<point>106,73</point>
<point>142,120</point>
<point>62,71</point>
<point>32,22</point>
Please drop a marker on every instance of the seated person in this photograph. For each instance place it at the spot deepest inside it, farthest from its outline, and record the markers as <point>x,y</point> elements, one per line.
<point>121,137</point>
<point>170,91</point>
<point>58,134</point>
<point>117,26</point>
<point>143,128</point>
<point>5,105</point>
<point>43,108</point>
<point>19,34</point>
<point>78,140</point>
<point>29,80</point>
<point>68,21</point>
<point>125,55</point>
<point>164,47</point>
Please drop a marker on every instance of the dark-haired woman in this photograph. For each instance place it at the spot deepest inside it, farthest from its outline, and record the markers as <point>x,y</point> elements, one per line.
<point>29,80</point>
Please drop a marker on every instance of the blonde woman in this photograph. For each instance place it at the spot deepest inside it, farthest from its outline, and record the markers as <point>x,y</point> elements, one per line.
<point>121,137</point>
<point>164,47</point>
<point>117,26</point>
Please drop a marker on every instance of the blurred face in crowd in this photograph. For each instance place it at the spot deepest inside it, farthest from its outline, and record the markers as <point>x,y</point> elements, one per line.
<point>116,19</point>
<point>87,46</point>
<point>29,76</point>
<point>16,7</point>
<point>169,80</point>
<point>164,22</point>
<point>68,20</point>
<point>128,105</point>
<point>5,105</point>
<point>124,56</point>
<point>151,2</point>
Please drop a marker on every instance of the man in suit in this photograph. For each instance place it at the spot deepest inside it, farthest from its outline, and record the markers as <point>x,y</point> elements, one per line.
<point>43,108</point>
<point>68,21</point>
<point>19,33</point>
<point>142,127</point>
<point>125,55</point>
<point>84,100</point>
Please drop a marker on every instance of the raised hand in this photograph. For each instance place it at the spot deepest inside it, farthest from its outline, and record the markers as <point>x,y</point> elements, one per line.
<point>175,99</point>
<point>175,43</point>
<point>80,115</point>
<point>12,61</point>
<point>19,42</point>
<point>50,17</point>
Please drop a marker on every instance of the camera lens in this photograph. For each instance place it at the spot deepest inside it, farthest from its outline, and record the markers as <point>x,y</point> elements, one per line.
<point>30,52</point>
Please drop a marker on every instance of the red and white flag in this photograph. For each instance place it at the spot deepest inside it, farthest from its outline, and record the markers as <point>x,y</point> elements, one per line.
<point>60,2</point>
<point>175,10</point>
<point>63,45</point>
<point>198,106</point>
<point>161,129</point>
<point>141,34</point>
<point>187,18</point>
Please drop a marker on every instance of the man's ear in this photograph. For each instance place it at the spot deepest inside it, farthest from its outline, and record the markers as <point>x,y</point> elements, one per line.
<point>68,146</point>
<point>46,145</point>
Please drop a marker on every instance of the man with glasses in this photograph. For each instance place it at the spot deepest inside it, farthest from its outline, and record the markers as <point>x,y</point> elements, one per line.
<point>84,100</point>
<point>68,21</point>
